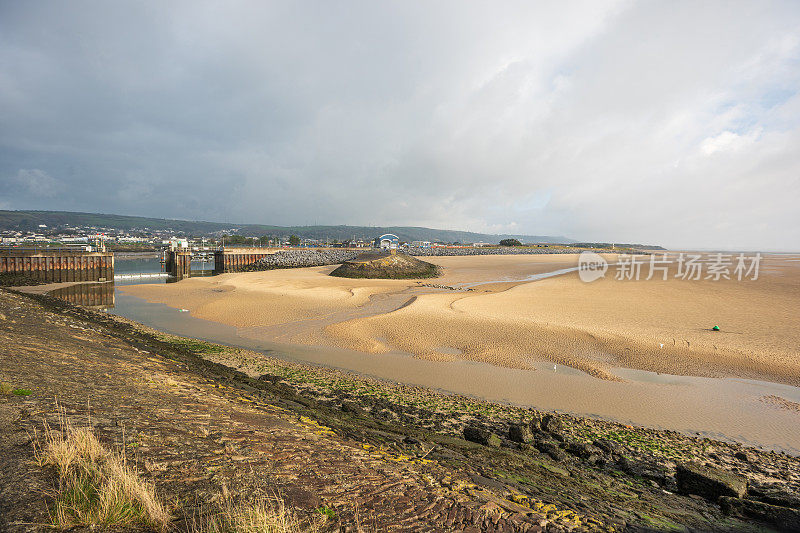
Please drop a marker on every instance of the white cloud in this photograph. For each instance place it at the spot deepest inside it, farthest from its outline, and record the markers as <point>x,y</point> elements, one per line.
<point>729,141</point>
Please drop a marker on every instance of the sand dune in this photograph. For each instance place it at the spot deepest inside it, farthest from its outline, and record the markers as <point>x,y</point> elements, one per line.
<point>594,327</point>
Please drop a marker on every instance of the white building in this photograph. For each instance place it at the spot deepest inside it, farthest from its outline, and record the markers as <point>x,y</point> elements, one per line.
<point>387,241</point>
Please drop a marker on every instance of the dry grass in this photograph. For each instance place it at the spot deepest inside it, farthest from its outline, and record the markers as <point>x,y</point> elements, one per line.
<point>5,388</point>
<point>265,515</point>
<point>96,486</point>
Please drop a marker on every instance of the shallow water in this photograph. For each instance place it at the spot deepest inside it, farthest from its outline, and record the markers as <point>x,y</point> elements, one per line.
<point>728,409</point>
<point>525,279</point>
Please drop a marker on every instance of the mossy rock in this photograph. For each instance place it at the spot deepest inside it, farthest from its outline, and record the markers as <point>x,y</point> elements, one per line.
<point>482,435</point>
<point>386,266</point>
<point>709,482</point>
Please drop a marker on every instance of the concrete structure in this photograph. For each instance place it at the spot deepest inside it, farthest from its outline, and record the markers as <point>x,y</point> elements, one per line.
<point>58,265</point>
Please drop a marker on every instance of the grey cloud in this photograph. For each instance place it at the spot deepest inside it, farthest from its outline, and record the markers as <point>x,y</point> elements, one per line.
<point>33,182</point>
<point>674,123</point>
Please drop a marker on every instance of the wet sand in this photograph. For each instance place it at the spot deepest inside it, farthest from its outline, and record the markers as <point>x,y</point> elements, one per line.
<point>661,326</point>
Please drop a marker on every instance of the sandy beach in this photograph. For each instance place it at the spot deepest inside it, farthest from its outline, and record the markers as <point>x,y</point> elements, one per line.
<point>489,314</point>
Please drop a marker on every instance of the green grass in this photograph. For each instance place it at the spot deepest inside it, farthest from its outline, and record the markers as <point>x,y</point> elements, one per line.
<point>327,512</point>
<point>194,345</point>
<point>21,392</point>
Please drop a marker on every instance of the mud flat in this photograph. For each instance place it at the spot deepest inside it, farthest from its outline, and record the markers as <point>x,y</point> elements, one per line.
<point>484,309</point>
<point>484,329</point>
<point>205,419</point>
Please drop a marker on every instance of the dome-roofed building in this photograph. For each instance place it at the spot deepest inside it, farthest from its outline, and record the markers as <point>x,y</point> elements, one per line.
<point>387,241</point>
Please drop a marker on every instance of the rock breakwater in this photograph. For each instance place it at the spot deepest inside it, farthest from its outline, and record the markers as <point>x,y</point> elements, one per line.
<point>296,258</point>
<point>503,250</point>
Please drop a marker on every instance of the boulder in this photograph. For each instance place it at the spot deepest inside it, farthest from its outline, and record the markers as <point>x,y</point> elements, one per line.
<point>482,435</point>
<point>536,422</point>
<point>643,467</point>
<point>520,433</point>
<point>783,518</point>
<point>709,482</point>
<point>352,408</point>
<point>742,456</point>
<point>609,446</point>
<point>552,424</point>
<point>583,450</point>
<point>775,496</point>
<point>551,449</point>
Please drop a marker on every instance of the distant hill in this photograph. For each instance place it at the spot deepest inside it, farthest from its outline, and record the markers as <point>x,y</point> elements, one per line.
<point>30,221</point>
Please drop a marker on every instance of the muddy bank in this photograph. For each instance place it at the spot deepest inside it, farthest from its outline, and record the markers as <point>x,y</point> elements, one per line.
<point>517,469</point>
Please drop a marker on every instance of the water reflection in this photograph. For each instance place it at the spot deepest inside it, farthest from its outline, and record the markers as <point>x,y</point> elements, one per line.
<point>94,295</point>
<point>192,274</point>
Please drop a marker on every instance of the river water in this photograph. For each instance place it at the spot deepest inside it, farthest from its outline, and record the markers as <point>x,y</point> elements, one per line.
<point>727,409</point>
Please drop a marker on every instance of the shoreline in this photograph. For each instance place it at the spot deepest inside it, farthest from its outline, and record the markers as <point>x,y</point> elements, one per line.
<point>270,358</point>
<point>715,404</point>
<point>646,399</point>
<point>566,463</point>
<point>655,326</point>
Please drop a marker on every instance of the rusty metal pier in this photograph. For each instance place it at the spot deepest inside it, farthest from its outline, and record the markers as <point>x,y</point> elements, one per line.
<point>56,266</point>
<point>235,259</point>
<point>177,263</point>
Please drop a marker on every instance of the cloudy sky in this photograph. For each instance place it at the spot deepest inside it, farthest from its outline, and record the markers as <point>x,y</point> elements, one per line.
<point>675,123</point>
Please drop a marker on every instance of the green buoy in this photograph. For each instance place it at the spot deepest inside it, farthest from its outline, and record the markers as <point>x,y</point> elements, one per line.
<point>715,328</point>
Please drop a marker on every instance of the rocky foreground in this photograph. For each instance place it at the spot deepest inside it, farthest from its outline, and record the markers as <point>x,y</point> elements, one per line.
<point>202,420</point>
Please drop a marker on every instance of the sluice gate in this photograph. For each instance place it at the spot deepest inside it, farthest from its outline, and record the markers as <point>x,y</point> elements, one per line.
<point>58,265</point>
<point>177,264</point>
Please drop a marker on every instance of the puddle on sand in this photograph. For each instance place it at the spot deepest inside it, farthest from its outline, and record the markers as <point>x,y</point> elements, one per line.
<point>719,408</point>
